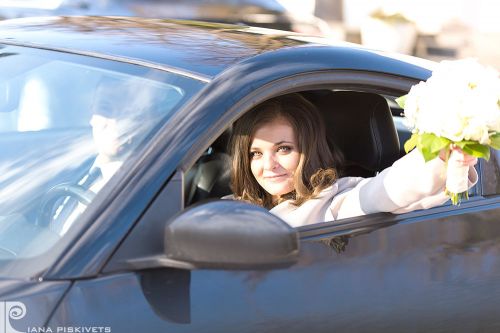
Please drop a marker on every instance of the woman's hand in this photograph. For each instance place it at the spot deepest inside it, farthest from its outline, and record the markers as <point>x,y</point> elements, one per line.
<point>462,158</point>
<point>460,173</point>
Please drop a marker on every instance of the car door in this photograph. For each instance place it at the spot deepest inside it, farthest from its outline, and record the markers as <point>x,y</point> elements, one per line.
<point>430,270</point>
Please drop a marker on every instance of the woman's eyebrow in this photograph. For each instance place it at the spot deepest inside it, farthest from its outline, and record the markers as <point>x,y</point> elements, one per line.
<point>282,142</point>
<point>275,144</point>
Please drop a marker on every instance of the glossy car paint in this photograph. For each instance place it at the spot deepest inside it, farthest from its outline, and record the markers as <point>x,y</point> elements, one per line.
<point>420,276</point>
<point>203,48</point>
<point>39,299</point>
<point>237,79</point>
<point>434,270</point>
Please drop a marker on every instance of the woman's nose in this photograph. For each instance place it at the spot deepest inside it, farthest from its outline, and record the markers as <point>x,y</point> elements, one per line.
<point>270,162</point>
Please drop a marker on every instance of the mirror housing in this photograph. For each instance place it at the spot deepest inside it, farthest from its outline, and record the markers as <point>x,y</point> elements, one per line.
<point>227,234</point>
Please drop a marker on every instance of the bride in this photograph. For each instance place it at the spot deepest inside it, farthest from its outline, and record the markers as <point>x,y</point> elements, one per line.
<point>281,161</point>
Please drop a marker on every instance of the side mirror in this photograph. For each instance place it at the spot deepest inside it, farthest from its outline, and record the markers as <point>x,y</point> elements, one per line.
<point>227,234</point>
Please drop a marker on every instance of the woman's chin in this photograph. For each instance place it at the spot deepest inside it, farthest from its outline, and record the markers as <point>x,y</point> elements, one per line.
<point>278,191</point>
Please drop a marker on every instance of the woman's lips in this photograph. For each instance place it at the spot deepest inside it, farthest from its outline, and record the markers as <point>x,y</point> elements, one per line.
<point>275,178</point>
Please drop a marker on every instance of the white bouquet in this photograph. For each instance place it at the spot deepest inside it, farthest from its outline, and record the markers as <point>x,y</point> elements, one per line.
<point>458,105</point>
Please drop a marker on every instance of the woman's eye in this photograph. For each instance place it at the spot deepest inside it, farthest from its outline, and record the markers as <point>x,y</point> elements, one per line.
<point>285,149</point>
<point>255,154</point>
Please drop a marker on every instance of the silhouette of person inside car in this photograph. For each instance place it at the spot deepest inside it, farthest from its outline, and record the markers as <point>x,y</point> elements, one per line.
<point>114,128</point>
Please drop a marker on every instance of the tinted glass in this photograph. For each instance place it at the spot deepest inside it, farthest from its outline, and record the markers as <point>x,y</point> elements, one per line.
<point>67,125</point>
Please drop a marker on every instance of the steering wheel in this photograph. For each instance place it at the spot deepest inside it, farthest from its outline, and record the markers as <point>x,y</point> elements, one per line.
<point>52,196</point>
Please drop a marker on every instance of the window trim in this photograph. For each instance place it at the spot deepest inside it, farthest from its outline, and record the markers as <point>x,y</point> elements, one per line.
<point>375,82</point>
<point>319,231</point>
<point>367,223</point>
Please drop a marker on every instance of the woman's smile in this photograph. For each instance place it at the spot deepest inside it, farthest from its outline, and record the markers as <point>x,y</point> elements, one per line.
<point>274,157</point>
<point>276,178</point>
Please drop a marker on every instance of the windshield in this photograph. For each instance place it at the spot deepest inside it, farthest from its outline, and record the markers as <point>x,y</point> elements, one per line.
<point>67,125</point>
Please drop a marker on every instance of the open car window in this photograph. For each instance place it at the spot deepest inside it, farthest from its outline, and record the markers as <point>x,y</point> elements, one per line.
<point>209,177</point>
<point>351,117</point>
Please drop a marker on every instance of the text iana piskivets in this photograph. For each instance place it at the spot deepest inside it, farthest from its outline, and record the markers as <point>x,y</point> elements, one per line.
<point>70,329</point>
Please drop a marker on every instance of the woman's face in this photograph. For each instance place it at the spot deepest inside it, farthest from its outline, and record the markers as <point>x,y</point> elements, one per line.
<point>274,157</point>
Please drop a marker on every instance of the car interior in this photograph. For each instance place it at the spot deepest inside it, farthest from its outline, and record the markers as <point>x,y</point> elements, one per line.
<point>362,125</point>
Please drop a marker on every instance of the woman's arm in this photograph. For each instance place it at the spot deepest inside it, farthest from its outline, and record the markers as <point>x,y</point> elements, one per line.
<point>409,184</point>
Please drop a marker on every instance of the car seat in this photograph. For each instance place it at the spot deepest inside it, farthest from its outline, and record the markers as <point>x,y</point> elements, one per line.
<point>361,126</point>
<point>210,176</point>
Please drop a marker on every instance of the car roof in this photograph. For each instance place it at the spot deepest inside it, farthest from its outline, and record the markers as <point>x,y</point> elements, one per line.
<point>198,49</point>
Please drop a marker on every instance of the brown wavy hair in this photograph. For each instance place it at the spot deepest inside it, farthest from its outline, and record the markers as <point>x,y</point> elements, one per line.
<point>318,161</point>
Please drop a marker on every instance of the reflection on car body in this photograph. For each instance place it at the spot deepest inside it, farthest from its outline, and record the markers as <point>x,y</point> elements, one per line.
<point>155,249</point>
<point>262,13</point>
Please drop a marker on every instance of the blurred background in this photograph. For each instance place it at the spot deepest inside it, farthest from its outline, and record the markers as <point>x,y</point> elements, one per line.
<point>432,29</point>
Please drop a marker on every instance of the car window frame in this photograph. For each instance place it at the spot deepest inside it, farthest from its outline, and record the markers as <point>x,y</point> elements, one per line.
<point>340,79</point>
<point>363,81</point>
<point>369,222</point>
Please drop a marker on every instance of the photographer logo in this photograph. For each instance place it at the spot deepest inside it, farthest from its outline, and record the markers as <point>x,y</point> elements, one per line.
<point>8,311</point>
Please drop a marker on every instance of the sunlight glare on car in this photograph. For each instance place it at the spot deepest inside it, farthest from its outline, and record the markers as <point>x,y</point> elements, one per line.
<point>40,4</point>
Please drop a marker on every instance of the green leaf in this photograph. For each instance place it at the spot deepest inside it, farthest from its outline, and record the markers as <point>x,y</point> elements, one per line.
<point>439,143</point>
<point>477,150</point>
<point>428,155</point>
<point>424,144</point>
<point>426,139</point>
<point>464,143</point>
<point>411,143</point>
<point>401,101</point>
<point>495,141</point>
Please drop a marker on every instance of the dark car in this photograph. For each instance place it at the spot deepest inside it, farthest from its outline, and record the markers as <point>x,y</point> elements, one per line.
<point>154,249</point>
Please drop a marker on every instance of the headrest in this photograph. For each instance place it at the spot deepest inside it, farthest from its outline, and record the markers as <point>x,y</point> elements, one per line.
<point>221,144</point>
<point>361,126</point>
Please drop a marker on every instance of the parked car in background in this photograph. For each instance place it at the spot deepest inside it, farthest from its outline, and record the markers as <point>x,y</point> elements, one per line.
<point>153,249</point>
<point>261,13</point>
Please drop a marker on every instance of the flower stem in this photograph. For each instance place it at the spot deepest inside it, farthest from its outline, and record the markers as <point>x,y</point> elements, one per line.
<point>456,198</point>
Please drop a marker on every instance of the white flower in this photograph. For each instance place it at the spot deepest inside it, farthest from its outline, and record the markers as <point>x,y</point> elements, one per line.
<point>411,104</point>
<point>460,101</point>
